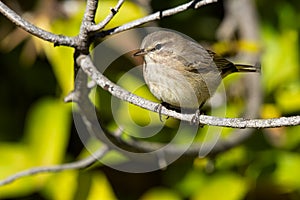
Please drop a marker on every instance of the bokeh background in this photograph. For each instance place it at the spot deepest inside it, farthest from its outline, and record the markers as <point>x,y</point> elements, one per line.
<point>36,126</point>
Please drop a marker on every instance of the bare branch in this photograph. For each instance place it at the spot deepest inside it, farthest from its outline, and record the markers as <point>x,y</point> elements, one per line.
<point>115,141</point>
<point>195,4</point>
<point>104,22</point>
<point>87,21</point>
<point>88,67</point>
<point>81,43</point>
<point>90,12</point>
<point>34,30</point>
<point>74,165</point>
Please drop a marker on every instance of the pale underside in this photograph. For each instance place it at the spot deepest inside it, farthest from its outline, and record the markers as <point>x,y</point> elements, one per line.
<point>178,87</point>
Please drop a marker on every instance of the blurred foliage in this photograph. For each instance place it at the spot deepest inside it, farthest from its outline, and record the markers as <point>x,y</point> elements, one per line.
<point>36,126</point>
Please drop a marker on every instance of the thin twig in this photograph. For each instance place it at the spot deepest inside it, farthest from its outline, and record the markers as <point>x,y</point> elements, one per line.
<point>74,165</point>
<point>131,147</point>
<point>108,18</point>
<point>88,67</point>
<point>156,16</point>
<point>87,21</point>
<point>34,30</point>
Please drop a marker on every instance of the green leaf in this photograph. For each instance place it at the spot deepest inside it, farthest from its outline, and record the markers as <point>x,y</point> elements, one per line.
<point>63,181</point>
<point>46,135</point>
<point>100,188</point>
<point>223,186</point>
<point>287,173</point>
<point>280,58</point>
<point>292,139</point>
<point>191,183</point>
<point>231,158</point>
<point>288,98</point>
<point>47,130</point>
<point>15,158</point>
<point>160,193</point>
<point>128,12</point>
<point>61,60</point>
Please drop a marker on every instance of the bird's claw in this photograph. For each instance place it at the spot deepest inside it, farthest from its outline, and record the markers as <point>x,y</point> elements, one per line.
<point>196,119</point>
<point>158,109</point>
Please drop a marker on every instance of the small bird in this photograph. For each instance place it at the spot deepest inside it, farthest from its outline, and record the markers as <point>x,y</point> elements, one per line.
<point>180,72</point>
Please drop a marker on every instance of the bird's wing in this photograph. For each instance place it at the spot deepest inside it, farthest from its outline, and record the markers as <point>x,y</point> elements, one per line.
<point>198,59</point>
<point>224,66</point>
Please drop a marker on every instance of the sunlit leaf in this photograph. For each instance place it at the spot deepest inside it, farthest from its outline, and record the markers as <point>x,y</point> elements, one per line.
<point>160,193</point>
<point>192,182</point>
<point>270,111</point>
<point>128,12</point>
<point>63,181</point>
<point>292,138</point>
<point>61,60</point>
<point>100,188</point>
<point>47,131</point>
<point>223,186</point>
<point>14,158</point>
<point>288,99</point>
<point>280,58</point>
<point>45,141</point>
<point>231,158</point>
<point>287,173</point>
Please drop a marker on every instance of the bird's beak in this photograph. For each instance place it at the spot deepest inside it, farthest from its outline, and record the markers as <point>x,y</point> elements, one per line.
<point>140,52</point>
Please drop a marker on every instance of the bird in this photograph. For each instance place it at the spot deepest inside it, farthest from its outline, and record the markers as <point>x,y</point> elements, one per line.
<point>180,72</point>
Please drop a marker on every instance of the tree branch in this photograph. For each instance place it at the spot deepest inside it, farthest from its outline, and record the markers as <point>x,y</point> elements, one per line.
<point>88,67</point>
<point>73,165</point>
<point>130,145</point>
<point>195,4</point>
<point>108,18</point>
<point>87,21</point>
<point>82,43</point>
<point>34,30</point>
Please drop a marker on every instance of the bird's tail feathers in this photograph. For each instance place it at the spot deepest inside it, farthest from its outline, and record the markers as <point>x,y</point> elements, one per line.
<point>248,68</point>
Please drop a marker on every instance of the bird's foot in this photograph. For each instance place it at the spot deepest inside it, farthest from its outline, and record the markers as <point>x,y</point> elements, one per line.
<point>196,119</point>
<point>159,107</point>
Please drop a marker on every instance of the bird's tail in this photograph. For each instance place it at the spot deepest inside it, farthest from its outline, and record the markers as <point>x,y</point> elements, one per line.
<point>248,68</point>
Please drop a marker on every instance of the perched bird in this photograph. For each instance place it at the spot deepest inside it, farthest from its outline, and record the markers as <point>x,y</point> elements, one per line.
<point>180,72</point>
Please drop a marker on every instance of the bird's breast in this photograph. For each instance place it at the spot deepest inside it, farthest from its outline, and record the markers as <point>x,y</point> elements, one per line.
<point>175,86</point>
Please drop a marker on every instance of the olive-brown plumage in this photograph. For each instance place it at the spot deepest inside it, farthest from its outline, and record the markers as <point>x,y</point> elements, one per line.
<point>182,73</point>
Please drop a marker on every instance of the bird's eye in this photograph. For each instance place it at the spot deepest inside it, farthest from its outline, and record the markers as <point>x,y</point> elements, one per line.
<point>158,46</point>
